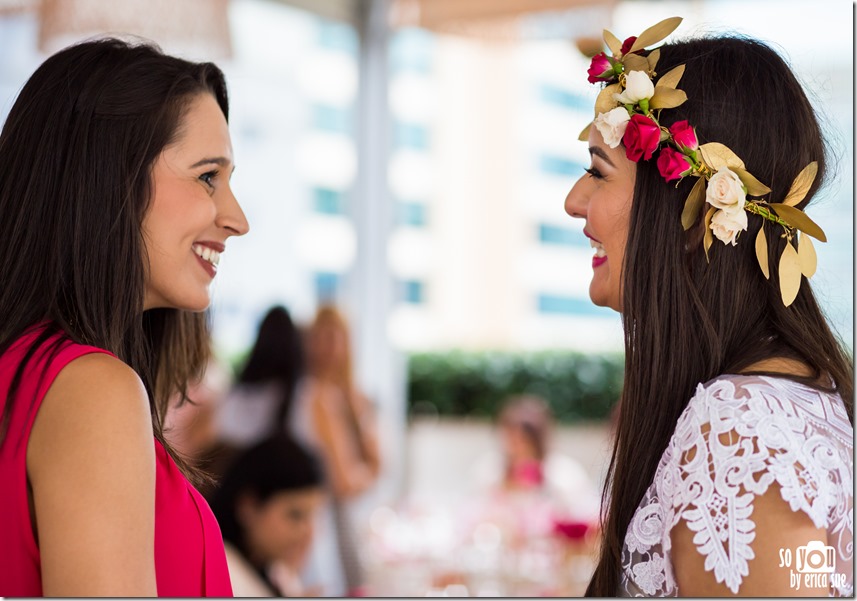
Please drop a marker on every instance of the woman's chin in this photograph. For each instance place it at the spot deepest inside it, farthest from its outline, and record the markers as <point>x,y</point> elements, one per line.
<point>603,298</point>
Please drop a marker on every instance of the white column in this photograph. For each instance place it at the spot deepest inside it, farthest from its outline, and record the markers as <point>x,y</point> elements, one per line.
<point>380,369</point>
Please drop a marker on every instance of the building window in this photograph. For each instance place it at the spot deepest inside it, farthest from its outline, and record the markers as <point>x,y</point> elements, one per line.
<point>329,202</point>
<point>413,292</point>
<point>410,135</point>
<point>331,119</point>
<point>564,98</point>
<point>552,304</point>
<point>411,213</point>
<point>337,36</point>
<point>552,234</point>
<point>555,165</point>
<point>411,50</point>
<point>326,286</point>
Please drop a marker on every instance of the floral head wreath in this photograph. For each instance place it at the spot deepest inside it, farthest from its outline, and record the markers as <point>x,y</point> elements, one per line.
<point>627,111</point>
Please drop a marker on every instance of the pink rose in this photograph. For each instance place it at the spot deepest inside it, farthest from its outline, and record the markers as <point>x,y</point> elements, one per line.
<point>672,164</point>
<point>642,137</point>
<point>684,136</point>
<point>600,68</point>
<point>626,45</point>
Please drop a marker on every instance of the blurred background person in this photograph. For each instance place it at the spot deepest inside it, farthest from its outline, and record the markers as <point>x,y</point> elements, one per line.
<point>190,426</point>
<point>266,506</point>
<point>333,417</point>
<point>530,485</point>
<point>258,404</point>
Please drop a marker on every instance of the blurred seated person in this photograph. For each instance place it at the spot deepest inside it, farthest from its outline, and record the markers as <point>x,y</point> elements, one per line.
<point>528,486</point>
<point>266,506</point>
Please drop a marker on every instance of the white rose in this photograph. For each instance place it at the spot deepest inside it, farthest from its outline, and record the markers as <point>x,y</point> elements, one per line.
<point>726,192</point>
<point>638,85</point>
<point>611,125</point>
<point>725,226</point>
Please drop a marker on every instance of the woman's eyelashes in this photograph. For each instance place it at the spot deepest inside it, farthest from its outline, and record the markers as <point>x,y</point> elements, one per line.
<point>592,171</point>
<point>208,178</point>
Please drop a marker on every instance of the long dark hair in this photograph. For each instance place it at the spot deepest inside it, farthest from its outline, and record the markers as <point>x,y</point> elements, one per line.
<point>277,356</point>
<point>687,320</point>
<point>76,156</point>
<point>274,465</point>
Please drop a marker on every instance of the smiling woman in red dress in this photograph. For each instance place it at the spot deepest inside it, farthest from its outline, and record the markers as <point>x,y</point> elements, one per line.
<point>115,198</point>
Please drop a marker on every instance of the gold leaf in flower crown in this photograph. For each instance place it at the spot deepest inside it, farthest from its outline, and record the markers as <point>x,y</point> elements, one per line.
<point>693,204</point>
<point>762,251</point>
<point>754,186</point>
<point>802,184</point>
<point>653,57</point>
<point>789,274</point>
<point>716,155</point>
<point>667,98</point>
<point>655,33</point>
<point>797,218</point>
<point>605,103</point>
<point>635,62</point>
<point>584,135</point>
<point>807,256</point>
<point>671,79</point>
<point>709,236</point>
<point>613,43</point>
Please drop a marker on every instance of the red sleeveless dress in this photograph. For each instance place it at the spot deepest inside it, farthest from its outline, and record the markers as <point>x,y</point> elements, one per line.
<point>189,557</point>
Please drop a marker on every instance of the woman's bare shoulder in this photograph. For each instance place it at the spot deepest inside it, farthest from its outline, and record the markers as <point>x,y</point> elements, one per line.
<point>91,466</point>
<point>95,399</point>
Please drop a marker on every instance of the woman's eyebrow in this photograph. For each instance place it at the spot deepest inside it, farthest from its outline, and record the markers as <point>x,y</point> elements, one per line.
<point>221,161</point>
<point>599,152</point>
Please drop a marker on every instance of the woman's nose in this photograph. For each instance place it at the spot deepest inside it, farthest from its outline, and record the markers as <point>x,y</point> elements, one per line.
<point>575,201</point>
<point>231,217</point>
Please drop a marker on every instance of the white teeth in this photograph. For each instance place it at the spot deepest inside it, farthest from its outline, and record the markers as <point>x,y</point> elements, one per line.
<point>599,250</point>
<point>207,254</point>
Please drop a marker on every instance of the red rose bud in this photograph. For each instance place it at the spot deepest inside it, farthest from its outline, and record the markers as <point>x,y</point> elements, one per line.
<point>626,45</point>
<point>684,136</point>
<point>600,68</point>
<point>641,139</point>
<point>672,164</point>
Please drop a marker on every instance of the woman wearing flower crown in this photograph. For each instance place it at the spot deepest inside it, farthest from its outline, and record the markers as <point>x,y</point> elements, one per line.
<point>732,469</point>
<point>116,204</point>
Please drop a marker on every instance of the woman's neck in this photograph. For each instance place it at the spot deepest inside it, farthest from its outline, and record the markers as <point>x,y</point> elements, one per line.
<point>781,365</point>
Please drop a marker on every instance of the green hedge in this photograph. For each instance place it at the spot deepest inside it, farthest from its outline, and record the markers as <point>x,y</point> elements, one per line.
<point>577,386</point>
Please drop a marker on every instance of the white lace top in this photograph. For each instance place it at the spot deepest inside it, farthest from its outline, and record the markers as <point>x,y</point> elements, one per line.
<point>737,436</point>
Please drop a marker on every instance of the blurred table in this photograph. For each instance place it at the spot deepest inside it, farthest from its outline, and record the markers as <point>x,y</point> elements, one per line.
<point>419,551</point>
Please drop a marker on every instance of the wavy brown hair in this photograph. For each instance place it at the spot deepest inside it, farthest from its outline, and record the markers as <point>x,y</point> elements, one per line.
<point>76,158</point>
<point>687,320</point>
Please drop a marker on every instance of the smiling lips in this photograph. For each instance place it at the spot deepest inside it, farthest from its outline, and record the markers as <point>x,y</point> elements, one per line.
<point>208,254</point>
<point>600,254</point>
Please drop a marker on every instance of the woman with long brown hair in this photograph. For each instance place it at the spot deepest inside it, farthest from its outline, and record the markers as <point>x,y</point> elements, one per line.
<point>732,468</point>
<point>333,417</point>
<point>115,200</point>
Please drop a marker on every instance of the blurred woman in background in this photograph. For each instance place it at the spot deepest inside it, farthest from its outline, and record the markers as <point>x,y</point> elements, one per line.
<point>258,405</point>
<point>529,485</point>
<point>332,417</point>
<point>266,505</point>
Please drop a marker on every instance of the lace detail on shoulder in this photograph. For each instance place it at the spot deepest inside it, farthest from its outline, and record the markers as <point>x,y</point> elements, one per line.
<point>737,436</point>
